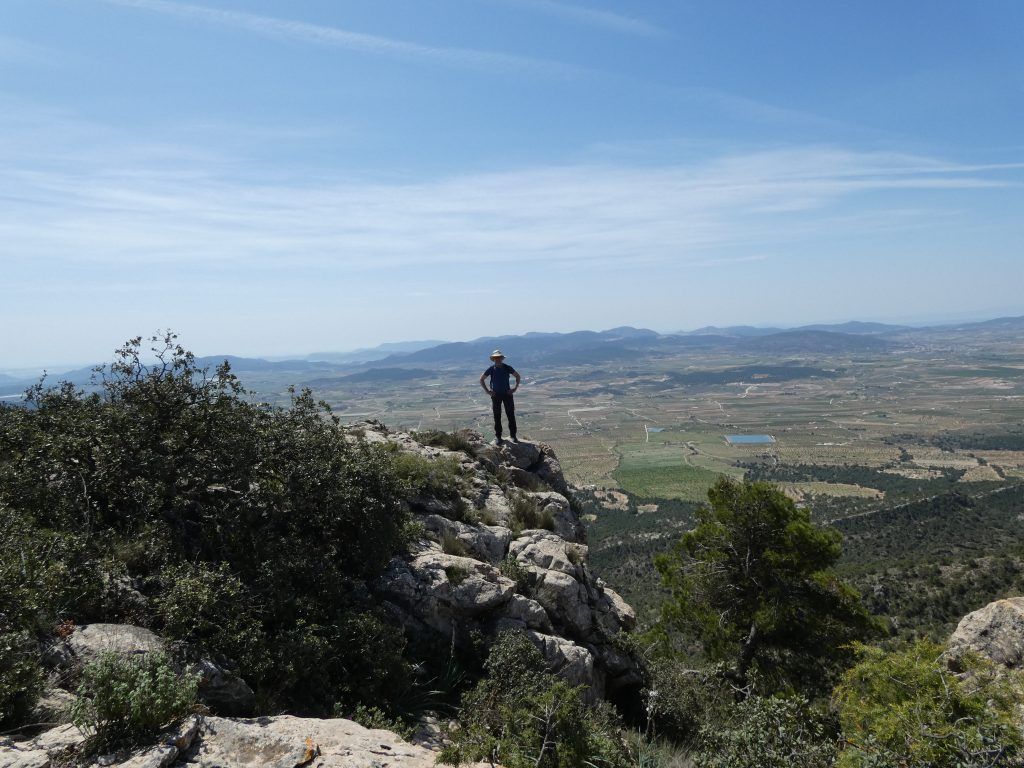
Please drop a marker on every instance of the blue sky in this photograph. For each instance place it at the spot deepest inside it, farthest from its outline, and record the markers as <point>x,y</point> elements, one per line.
<point>270,177</point>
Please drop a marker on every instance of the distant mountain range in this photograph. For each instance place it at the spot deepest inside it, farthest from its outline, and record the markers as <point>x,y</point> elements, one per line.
<point>854,327</point>
<point>615,346</point>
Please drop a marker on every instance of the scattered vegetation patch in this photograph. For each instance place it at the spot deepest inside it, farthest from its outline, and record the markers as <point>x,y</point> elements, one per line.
<point>772,732</point>
<point>528,515</point>
<point>439,477</point>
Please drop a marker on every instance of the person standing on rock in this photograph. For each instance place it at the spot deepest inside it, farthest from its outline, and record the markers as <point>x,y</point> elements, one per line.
<point>501,393</point>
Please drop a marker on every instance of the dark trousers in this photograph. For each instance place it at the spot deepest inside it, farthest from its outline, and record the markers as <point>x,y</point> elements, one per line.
<point>510,412</point>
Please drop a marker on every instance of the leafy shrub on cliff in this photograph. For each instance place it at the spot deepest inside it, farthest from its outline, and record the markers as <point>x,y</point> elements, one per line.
<point>907,708</point>
<point>773,732</point>
<point>125,699</point>
<point>522,716</point>
<point>167,463</point>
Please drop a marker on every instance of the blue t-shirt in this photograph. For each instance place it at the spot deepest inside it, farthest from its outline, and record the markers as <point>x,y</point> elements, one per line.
<point>499,375</point>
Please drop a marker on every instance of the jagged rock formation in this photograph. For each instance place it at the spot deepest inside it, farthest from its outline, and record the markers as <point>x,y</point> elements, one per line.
<point>995,632</point>
<point>502,575</point>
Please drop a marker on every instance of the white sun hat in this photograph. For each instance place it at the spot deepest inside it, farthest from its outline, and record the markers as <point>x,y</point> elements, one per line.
<point>496,354</point>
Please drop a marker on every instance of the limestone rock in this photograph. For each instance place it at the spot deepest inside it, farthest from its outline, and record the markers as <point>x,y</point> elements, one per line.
<point>286,742</point>
<point>567,522</point>
<point>995,632</point>
<point>12,757</point>
<point>621,611</point>
<point>564,599</point>
<point>430,591</point>
<point>91,641</point>
<point>549,470</point>
<point>223,692</point>
<point>523,454</point>
<point>444,591</point>
<point>38,752</point>
<point>53,706</point>
<point>529,612</point>
<point>483,542</point>
<point>496,505</point>
<point>545,550</point>
<point>571,661</point>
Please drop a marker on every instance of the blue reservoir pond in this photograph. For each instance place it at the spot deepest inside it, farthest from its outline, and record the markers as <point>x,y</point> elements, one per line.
<point>748,439</point>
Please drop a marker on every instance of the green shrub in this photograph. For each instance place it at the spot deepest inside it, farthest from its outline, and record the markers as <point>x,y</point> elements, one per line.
<point>511,568</point>
<point>527,515</point>
<point>680,699</point>
<point>441,477</point>
<point>521,716</point>
<point>453,545</point>
<point>907,708</point>
<point>773,732</point>
<point>453,441</point>
<point>209,607</point>
<point>456,574</point>
<point>21,677</point>
<point>376,718</point>
<point>127,699</point>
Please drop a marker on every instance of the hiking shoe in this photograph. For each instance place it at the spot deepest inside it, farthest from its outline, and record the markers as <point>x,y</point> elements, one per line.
<point>515,439</point>
<point>498,441</point>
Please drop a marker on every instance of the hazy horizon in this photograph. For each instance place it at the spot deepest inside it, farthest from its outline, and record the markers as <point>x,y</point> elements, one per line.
<point>270,178</point>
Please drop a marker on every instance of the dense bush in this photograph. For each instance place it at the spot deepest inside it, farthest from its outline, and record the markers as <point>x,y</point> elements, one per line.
<point>681,698</point>
<point>247,528</point>
<point>125,699</point>
<point>908,708</point>
<point>20,675</point>
<point>774,732</point>
<point>521,716</point>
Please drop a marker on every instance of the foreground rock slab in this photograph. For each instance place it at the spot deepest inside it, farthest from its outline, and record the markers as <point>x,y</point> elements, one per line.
<point>287,742</point>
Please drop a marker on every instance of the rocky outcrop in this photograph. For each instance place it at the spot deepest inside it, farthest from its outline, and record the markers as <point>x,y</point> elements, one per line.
<point>523,566</point>
<point>995,632</point>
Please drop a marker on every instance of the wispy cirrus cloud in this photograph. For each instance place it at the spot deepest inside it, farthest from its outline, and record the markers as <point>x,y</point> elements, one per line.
<point>114,205</point>
<point>594,17</point>
<point>319,34</point>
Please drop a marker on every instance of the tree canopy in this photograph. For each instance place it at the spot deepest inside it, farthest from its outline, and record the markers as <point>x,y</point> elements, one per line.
<point>753,583</point>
